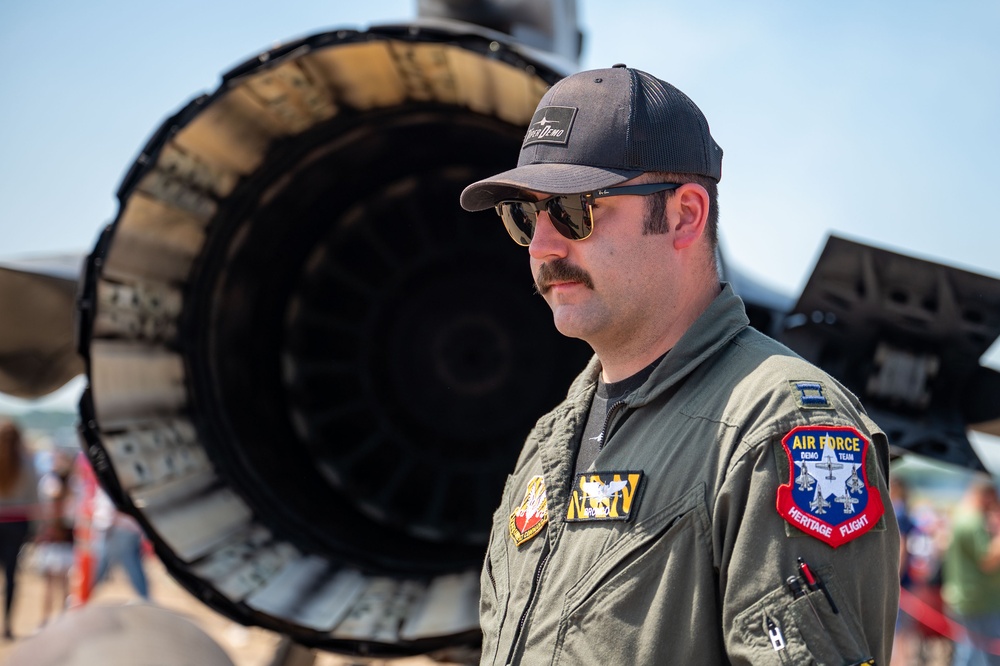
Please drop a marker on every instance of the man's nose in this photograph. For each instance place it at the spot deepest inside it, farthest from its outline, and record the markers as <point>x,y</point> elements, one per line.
<point>546,242</point>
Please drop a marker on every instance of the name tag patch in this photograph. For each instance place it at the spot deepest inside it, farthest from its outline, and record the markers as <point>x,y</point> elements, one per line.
<point>604,496</point>
<point>532,514</point>
<point>828,495</point>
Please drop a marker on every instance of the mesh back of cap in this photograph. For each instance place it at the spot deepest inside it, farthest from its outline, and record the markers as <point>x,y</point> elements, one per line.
<point>668,132</point>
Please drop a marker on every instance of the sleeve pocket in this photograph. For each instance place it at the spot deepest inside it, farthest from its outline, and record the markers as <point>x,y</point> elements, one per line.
<point>811,632</point>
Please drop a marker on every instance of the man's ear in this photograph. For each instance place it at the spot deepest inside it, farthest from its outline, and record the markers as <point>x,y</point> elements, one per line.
<point>691,205</point>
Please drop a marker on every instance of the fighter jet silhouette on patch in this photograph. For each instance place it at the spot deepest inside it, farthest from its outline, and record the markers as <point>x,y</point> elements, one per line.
<point>847,501</point>
<point>819,503</point>
<point>805,480</point>
<point>854,482</point>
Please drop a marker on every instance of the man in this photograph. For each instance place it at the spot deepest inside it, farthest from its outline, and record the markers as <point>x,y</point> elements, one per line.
<point>972,574</point>
<point>703,495</point>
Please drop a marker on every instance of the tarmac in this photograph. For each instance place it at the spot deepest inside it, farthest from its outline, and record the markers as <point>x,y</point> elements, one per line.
<point>245,646</point>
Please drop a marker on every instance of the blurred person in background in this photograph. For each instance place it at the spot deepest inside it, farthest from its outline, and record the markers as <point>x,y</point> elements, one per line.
<point>54,541</point>
<point>18,503</point>
<point>119,539</point>
<point>972,574</point>
<point>903,642</point>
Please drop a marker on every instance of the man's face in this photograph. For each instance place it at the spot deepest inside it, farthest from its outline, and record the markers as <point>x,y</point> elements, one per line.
<point>608,289</point>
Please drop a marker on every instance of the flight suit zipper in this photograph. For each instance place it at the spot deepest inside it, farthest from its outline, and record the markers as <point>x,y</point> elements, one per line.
<point>527,607</point>
<point>607,422</point>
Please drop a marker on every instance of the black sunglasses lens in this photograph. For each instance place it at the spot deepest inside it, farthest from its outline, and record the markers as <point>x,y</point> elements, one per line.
<point>520,217</point>
<point>519,221</point>
<point>572,222</point>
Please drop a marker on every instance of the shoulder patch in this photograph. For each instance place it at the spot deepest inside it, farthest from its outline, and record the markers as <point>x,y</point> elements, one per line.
<point>809,395</point>
<point>828,495</point>
<point>604,496</point>
<point>532,514</point>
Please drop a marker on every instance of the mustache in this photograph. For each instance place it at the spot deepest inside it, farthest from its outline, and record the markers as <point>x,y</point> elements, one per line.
<point>560,270</point>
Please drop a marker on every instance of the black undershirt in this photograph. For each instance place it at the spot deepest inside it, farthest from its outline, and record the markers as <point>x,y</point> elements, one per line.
<point>604,399</point>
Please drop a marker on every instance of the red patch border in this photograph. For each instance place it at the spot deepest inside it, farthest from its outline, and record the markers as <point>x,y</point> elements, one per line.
<point>785,503</point>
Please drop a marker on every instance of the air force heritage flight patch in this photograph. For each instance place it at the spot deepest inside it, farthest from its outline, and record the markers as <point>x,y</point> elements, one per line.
<point>604,496</point>
<point>828,495</point>
<point>532,515</point>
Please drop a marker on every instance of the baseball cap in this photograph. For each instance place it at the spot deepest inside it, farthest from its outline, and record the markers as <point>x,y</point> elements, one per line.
<point>601,127</point>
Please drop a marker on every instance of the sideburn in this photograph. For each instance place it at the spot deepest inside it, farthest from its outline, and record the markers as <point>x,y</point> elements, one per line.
<point>655,221</point>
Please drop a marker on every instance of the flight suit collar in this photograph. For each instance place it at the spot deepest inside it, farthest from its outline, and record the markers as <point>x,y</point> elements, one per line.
<point>722,321</point>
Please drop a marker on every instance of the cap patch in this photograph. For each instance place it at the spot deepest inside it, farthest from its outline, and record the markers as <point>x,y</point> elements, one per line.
<point>532,515</point>
<point>550,124</point>
<point>828,495</point>
<point>604,496</point>
<point>809,395</point>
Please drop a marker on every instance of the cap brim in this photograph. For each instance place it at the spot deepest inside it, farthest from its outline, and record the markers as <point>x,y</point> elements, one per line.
<point>547,178</point>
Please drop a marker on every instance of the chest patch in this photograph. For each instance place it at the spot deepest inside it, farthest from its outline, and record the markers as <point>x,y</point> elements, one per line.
<point>532,514</point>
<point>604,496</point>
<point>828,495</point>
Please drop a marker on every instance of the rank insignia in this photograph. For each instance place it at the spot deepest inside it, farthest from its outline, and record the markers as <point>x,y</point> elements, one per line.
<point>809,395</point>
<point>828,495</point>
<point>532,515</point>
<point>604,496</point>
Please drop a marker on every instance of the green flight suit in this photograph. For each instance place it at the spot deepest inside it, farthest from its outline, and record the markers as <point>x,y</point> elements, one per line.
<point>697,573</point>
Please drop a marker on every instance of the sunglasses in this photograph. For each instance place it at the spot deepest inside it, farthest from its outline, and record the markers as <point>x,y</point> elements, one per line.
<point>572,214</point>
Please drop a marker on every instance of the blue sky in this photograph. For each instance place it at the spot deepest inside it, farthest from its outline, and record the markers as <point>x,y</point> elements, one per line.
<point>871,120</point>
<point>877,121</point>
